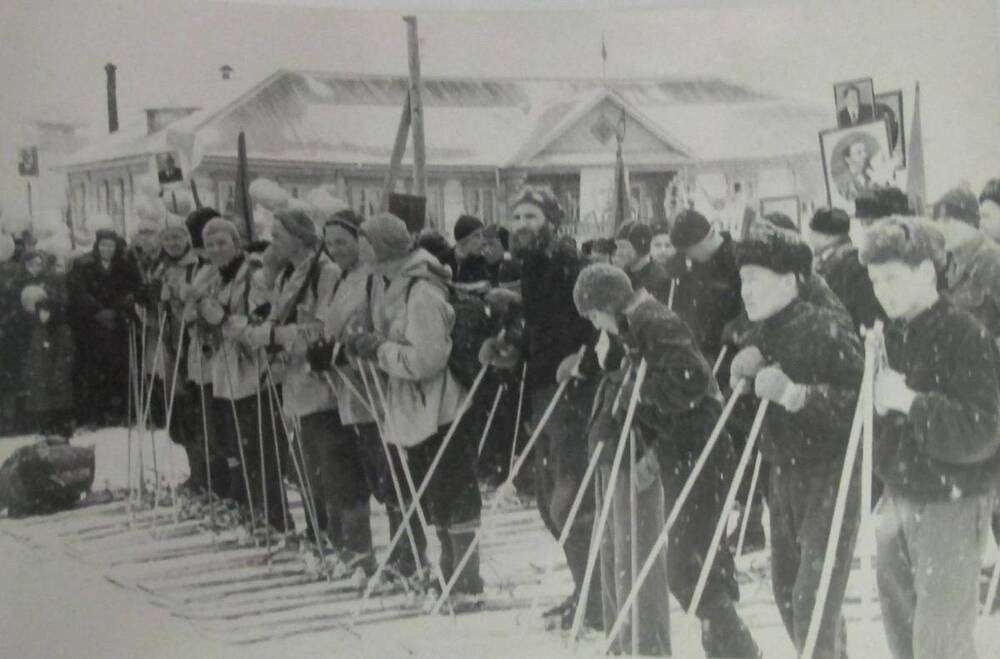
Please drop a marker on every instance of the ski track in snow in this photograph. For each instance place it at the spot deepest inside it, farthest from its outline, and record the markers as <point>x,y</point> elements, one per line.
<point>83,584</point>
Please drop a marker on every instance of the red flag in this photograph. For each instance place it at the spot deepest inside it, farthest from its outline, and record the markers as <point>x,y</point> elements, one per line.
<point>244,206</point>
<point>621,210</point>
<point>916,184</point>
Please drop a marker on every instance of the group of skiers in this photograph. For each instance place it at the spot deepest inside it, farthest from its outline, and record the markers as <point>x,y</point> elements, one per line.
<point>359,361</point>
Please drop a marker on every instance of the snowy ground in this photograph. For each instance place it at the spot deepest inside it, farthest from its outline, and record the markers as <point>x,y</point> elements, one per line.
<point>57,601</point>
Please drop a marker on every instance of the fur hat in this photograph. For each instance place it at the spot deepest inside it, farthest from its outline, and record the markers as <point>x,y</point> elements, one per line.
<point>911,240</point>
<point>221,225</point>
<point>388,236</point>
<point>958,204</point>
<point>298,223</point>
<point>346,219</point>
<point>690,228</point>
<point>196,222</point>
<point>830,222</point>
<point>465,226</point>
<point>638,234</point>
<point>544,199</point>
<point>991,192</point>
<point>881,202</point>
<point>602,287</point>
<point>779,251</point>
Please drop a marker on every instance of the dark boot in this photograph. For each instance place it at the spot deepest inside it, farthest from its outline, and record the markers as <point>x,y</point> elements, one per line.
<point>723,634</point>
<point>402,560</point>
<point>357,532</point>
<point>469,581</point>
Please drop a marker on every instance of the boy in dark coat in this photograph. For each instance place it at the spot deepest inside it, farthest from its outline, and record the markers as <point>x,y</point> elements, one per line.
<point>679,406</point>
<point>554,334</point>
<point>935,446</point>
<point>808,364</point>
<point>837,262</point>
<point>632,255</point>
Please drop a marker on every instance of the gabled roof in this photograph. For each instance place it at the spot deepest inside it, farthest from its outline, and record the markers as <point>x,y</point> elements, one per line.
<point>351,119</point>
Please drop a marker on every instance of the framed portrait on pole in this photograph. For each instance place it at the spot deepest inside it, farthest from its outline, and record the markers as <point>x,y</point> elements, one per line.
<point>854,101</point>
<point>853,160</point>
<point>889,106</point>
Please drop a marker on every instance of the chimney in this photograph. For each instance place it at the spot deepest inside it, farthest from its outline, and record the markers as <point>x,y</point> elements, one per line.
<point>110,69</point>
<point>227,71</point>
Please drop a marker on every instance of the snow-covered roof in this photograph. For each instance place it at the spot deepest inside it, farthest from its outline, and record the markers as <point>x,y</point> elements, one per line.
<point>351,119</point>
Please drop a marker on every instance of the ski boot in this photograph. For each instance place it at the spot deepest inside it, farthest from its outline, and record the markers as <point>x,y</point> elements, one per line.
<point>723,634</point>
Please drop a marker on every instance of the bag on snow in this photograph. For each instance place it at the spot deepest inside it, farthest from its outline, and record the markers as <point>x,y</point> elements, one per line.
<point>46,477</point>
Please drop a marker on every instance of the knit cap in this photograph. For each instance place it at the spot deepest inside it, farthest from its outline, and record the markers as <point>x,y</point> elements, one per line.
<point>388,237</point>
<point>221,225</point>
<point>690,228</point>
<point>298,223</point>
<point>465,226</point>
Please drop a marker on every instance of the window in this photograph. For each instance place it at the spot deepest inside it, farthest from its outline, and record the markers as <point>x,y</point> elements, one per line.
<point>78,213</point>
<point>366,199</point>
<point>571,206</point>
<point>481,202</point>
<point>741,186</point>
<point>103,195</point>
<point>117,206</point>
<point>227,198</point>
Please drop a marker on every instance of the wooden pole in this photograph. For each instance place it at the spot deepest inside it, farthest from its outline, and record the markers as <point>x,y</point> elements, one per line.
<point>416,108</point>
<point>398,149</point>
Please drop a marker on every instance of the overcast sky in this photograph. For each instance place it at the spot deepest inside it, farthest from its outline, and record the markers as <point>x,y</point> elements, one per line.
<point>52,54</point>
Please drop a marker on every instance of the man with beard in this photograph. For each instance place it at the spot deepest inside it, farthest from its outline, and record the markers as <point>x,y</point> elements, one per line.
<point>102,289</point>
<point>554,336</point>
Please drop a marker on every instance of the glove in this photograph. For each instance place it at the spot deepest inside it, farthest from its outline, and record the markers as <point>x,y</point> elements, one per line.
<point>568,368</point>
<point>211,311</point>
<point>366,346</point>
<point>892,392</point>
<point>772,384</point>
<point>500,300</point>
<point>107,318</point>
<point>745,365</point>
<point>499,354</point>
<point>319,355</point>
<point>646,471</point>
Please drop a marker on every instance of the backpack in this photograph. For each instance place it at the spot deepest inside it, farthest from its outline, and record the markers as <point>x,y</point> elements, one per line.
<point>45,477</point>
<point>472,326</point>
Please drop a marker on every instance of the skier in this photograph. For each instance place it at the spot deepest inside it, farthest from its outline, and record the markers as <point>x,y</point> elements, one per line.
<point>935,448</point>
<point>226,294</point>
<point>806,361</point>
<point>48,367</point>
<point>554,334</point>
<point>357,467</point>
<point>410,343</point>
<point>679,404</point>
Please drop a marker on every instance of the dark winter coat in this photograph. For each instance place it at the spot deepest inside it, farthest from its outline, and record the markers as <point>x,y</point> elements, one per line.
<point>654,278</point>
<point>840,267</point>
<point>680,401</point>
<point>48,367</point>
<point>471,269</point>
<point>815,348</point>
<point>14,332</point>
<point>91,288</point>
<point>707,297</point>
<point>947,445</point>
<point>973,278</point>
<point>554,329</point>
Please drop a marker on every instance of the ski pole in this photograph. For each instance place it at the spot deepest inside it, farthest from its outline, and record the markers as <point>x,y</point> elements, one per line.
<point>169,407</point>
<point>489,420</point>
<point>263,466</point>
<point>401,456</point>
<point>602,520</point>
<point>718,360</point>
<point>675,511</point>
<point>277,459</point>
<point>128,423</point>
<point>463,408</point>
<point>836,523</point>
<point>517,417</point>
<point>573,511</point>
<point>745,522</point>
<point>204,430</point>
<point>404,465</point>
<point>720,526</point>
<point>633,539</point>
<point>498,498</point>
<point>239,440</point>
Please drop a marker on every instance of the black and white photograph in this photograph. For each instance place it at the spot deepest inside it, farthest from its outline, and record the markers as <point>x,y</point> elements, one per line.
<point>854,161</point>
<point>889,106</point>
<point>478,329</point>
<point>855,102</point>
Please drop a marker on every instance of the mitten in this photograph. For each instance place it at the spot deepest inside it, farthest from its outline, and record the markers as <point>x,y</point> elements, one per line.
<point>772,384</point>
<point>319,355</point>
<point>745,365</point>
